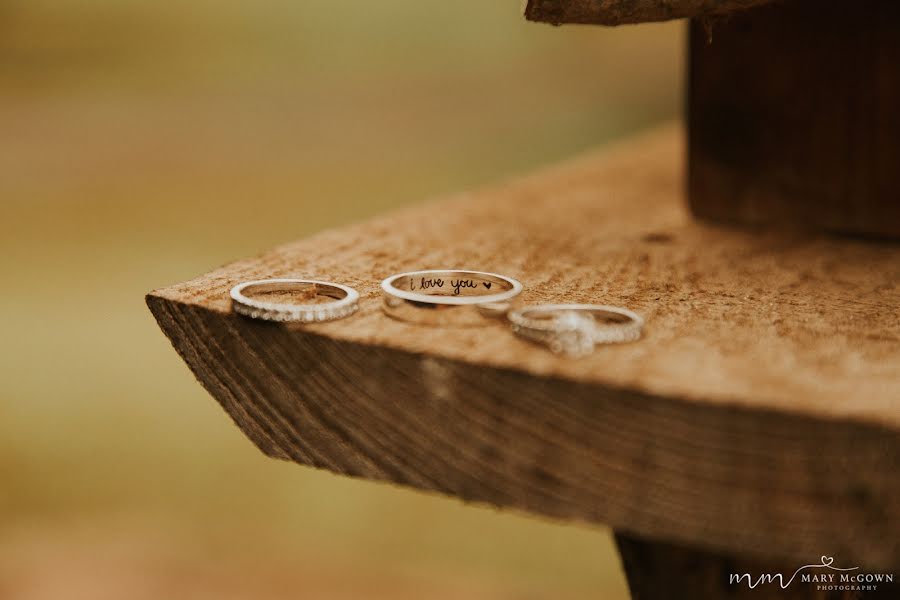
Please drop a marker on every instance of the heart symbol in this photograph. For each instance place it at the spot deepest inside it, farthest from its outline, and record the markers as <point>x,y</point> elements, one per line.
<point>486,284</point>
<point>827,560</point>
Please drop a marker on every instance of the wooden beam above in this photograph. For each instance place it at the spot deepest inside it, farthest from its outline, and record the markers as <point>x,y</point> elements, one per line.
<point>623,12</point>
<point>759,414</point>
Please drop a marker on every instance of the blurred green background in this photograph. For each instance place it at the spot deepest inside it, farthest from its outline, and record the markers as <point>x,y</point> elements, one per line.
<point>144,143</point>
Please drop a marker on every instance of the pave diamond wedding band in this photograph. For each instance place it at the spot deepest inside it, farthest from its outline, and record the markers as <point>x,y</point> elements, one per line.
<point>574,329</point>
<point>448,296</point>
<point>345,300</point>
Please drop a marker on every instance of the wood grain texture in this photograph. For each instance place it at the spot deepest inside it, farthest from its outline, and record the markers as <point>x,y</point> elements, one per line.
<point>623,12</point>
<point>794,116</point>
<point>760,413</point>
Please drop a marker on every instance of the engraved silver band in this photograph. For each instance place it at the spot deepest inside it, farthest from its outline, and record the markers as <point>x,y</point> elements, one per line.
<point>574,329</point>
<point>448,296</point>
<point>346,300</point>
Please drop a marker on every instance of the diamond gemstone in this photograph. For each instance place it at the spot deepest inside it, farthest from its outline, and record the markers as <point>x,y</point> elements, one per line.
<point>574,335</point>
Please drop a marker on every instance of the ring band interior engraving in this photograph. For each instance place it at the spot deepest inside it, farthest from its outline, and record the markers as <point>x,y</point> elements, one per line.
<point>448,296</point>
<point>452,287</point>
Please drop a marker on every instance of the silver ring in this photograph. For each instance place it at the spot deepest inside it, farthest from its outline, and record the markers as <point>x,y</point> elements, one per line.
<point>346,300</point>
<point>448,296</point>
<point>574,329</point>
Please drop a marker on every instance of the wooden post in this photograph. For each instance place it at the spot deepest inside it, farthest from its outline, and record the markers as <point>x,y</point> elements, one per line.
<point>794,116</point>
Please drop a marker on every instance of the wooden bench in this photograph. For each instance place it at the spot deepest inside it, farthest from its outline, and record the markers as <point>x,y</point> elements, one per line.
<point>756,427</point>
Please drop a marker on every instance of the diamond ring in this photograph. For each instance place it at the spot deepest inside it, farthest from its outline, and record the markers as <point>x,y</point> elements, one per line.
<point>574,329</point>
<point>345,300</point>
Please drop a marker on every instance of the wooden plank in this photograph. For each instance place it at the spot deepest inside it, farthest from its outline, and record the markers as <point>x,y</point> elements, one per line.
<point>793,116</point>
<point>622,12</point>
<point>758,415</point>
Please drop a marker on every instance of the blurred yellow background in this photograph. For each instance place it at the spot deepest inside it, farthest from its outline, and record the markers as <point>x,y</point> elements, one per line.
<point>145,143</point>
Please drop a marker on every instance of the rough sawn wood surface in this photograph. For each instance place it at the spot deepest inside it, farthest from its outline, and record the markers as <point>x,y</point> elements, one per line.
<point>759,415</point>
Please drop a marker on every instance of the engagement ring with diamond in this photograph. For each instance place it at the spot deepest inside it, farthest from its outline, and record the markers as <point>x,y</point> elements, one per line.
<point>247,299</point>
<point>574,329</point>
